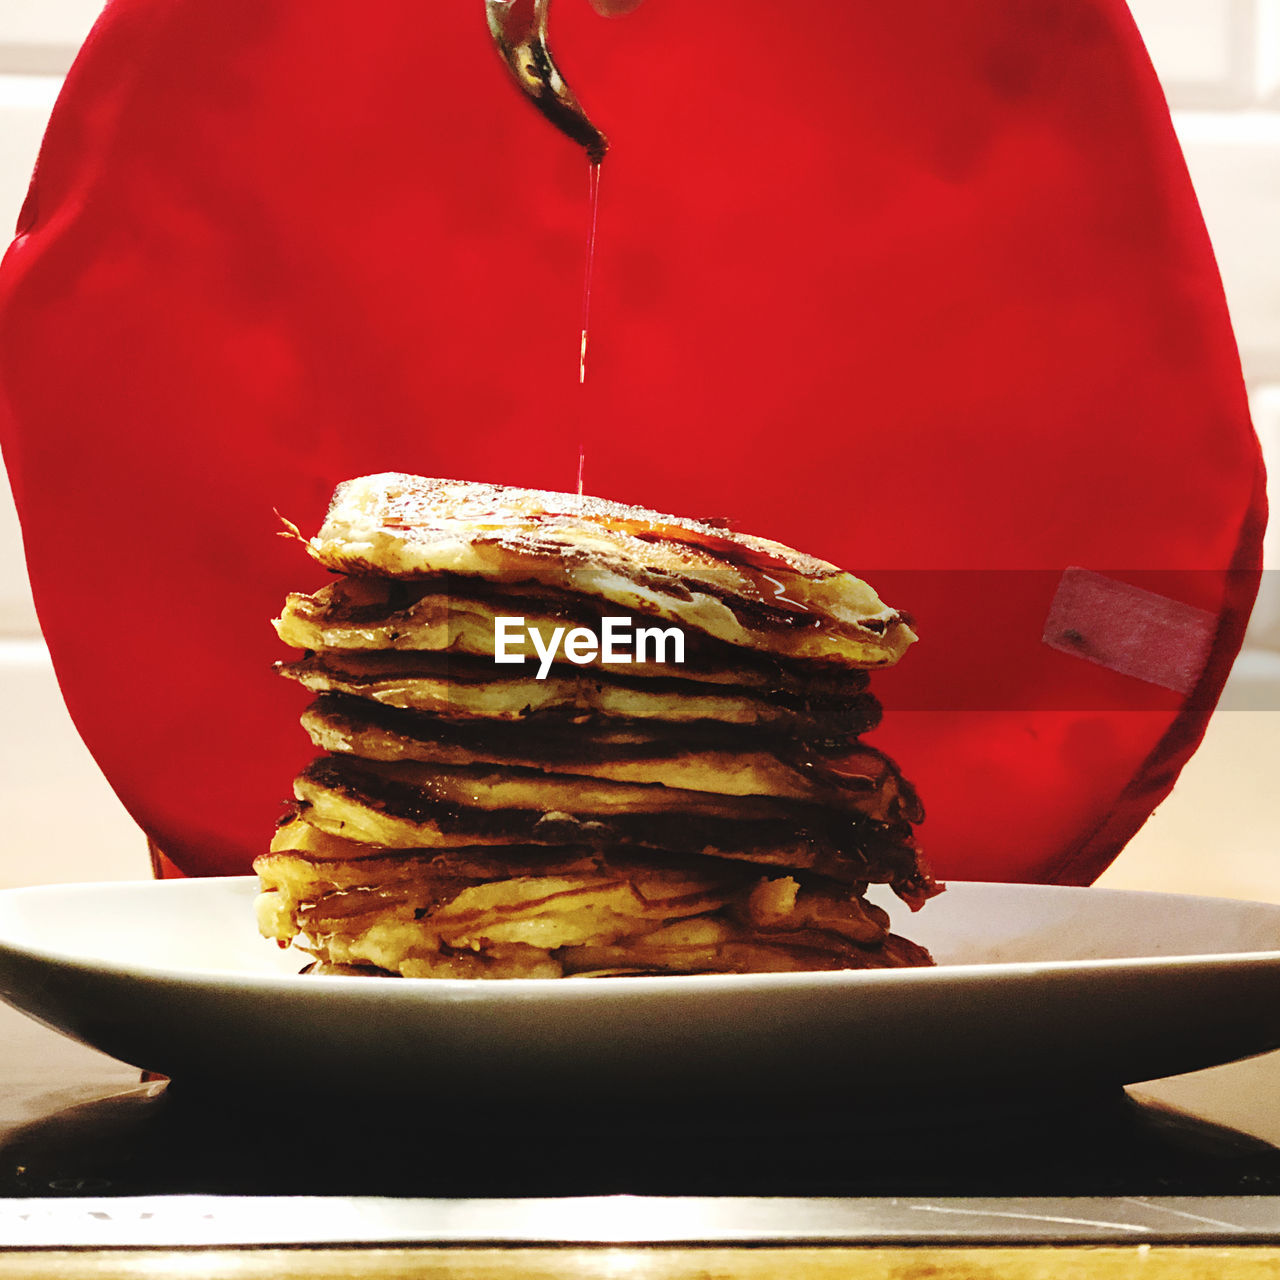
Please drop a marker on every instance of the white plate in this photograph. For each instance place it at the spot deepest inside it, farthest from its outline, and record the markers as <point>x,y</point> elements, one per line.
<point>1036,986</point>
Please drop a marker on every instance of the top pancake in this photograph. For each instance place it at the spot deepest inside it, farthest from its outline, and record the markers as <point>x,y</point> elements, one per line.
<point>745,590</point>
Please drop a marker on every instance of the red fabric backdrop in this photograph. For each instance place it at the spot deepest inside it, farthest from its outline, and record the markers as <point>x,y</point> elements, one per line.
<point>922,289</point>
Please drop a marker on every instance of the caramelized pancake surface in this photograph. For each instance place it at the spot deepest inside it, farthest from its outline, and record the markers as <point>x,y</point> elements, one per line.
<point>745,590</point>
<point>348,726</point>
<point>422,915</point>
<point>385,805</point>
<point>458,616</point>
<point>472,689</point>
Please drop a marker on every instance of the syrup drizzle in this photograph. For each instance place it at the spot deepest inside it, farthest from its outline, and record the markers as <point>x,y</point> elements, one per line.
<point>593,180</point>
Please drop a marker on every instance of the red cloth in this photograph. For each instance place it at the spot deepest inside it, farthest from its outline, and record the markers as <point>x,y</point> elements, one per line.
<point>921,289</point>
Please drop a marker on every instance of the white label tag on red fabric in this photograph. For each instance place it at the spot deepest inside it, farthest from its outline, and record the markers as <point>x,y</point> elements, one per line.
<point>1129,629</point>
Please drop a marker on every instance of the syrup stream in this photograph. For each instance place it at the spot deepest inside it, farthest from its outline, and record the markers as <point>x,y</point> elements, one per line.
<point>593,179</point>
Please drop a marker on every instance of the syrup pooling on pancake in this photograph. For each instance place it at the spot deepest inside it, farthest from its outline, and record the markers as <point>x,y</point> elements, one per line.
<point>745,590</point>
<point>708,809</point>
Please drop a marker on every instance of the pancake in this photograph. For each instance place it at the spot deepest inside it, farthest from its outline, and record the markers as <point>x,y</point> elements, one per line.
<point>605,739</point>
<point>487,788</point>
<point>714,945</point>
<point>350,726</point>
<point>401,806</point>
<point>422,916</point>
<point>458,616</point>
<point>475,689</point>
<point>748,591</point>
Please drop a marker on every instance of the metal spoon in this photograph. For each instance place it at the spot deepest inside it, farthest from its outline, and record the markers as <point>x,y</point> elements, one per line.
<point>519,29</point>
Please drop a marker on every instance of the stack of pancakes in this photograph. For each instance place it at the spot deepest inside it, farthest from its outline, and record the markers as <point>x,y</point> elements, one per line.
<point>471,819</point>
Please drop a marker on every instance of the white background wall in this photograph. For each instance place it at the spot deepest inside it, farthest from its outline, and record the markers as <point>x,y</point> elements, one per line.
<point>1220,64</point>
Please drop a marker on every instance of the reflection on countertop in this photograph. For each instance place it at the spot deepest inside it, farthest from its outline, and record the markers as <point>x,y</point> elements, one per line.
<point>77,1124</point>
